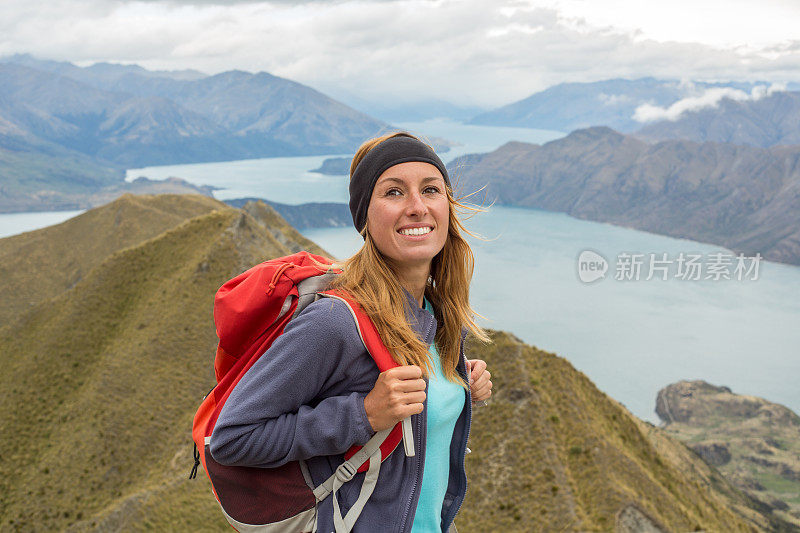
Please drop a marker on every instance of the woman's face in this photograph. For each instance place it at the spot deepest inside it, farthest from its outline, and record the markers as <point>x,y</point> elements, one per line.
<point>408,214</point>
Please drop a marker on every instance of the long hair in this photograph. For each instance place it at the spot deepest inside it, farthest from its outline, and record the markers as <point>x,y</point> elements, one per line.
<point>368,277</point>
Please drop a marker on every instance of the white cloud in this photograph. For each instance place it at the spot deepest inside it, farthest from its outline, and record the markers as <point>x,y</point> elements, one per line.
<point>612,100</point>
<point>464,51</point>
<point>743,24</point>
<point>709,98</point>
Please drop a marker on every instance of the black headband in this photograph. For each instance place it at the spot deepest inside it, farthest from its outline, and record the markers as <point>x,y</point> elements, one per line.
<point>388,153</point>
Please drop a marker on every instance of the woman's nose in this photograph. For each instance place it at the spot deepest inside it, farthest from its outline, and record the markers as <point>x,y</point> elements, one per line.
<point>415,204</point>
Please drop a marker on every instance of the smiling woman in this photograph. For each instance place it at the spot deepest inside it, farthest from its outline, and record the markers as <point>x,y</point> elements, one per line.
<point>319,392</point>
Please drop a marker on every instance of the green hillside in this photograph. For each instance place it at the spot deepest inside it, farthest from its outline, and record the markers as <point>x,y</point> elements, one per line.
<point>40,264</point>
<point>101,381</point>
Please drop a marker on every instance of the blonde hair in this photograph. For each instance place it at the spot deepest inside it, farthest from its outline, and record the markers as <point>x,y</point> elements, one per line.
<point>368,277</point>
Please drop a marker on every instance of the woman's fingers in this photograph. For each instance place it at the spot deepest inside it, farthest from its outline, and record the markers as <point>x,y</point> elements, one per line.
<point>477,367</point>
<point>398,393</point>
<point>410,385</point>
<point>482,393</point>
<point>480,380</point>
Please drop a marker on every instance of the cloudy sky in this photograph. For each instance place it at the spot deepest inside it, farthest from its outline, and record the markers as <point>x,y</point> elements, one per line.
<point>470,52</point>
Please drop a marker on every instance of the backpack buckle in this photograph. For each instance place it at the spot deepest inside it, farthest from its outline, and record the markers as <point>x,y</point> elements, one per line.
<point>345,472</point>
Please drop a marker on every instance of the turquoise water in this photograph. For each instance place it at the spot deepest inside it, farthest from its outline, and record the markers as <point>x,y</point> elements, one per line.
<point>288,179</point>
<point>14,223</point>
<point>629,337</point>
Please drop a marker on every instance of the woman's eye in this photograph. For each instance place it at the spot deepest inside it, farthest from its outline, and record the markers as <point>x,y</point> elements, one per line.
<point>431,189</point>
<point>392,192</point>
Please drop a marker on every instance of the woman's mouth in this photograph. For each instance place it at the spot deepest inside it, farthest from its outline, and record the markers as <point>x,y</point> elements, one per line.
<point>412,232</point>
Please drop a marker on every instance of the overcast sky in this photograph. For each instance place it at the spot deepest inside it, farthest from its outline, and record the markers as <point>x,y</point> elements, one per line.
<point>484,52</point>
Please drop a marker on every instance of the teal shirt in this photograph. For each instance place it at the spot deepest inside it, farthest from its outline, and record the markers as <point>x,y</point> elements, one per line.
<point>445,402</point>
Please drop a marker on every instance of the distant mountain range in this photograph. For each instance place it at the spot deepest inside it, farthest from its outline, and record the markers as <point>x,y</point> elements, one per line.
<point>131,117</point>
<point>612,103</point>
<point>68,131</point>
<point>309,215</point>
<point>388,108</point>
<point>744,198</point>
<point>768,121</point>
<point>109,351</point>
<point>753,118</point>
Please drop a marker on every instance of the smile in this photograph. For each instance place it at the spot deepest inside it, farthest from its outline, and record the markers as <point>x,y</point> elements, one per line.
<point>415,231</point>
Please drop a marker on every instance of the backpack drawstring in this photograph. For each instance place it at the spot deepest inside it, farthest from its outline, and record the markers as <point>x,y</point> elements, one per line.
<point>277,275</point>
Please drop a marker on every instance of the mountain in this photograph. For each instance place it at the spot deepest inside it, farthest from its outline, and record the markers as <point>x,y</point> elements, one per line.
<point>101,380</point>
<point>768,121</point>
<point>612,103</point>
<point>102,376</point>
<point>553,453</point>
<point>393,110</point>
<point>67,132</point>
<point>132,117</point>
<point>102,74</point>
<point>741,197</point>
<point>37,175</point>
<point>310,215</point>
<point>115,128</point>
<point>753,442</point>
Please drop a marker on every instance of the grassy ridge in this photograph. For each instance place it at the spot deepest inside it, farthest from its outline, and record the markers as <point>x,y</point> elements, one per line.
<point>553,453</point>
<point>102,380</point>
<point>40,264</point>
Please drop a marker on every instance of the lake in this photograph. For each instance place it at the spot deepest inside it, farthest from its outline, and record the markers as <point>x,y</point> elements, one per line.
<point>630,336</point>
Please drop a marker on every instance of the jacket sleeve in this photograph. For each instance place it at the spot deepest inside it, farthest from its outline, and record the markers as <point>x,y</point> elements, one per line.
<point>278,411</point>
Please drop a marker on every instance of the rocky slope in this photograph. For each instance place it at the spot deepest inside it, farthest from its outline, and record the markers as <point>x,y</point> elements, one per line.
<point>753,442</point>
<point>744,198</point>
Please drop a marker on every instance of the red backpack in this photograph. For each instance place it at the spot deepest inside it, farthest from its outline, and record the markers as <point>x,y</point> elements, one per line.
<point>250,312</point>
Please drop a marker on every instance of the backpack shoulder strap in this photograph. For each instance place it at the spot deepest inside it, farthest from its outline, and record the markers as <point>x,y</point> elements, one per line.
<point>384,360</point>
<point>309,290</point>
<point>366,330</point>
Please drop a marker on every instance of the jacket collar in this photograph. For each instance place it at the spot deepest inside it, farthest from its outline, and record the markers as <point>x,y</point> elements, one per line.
<point>420,320</point>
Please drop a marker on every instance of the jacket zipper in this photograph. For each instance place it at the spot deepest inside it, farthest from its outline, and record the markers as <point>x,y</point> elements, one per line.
<point>464,446</point>
<point>420,466</point>
<point>421,455</point>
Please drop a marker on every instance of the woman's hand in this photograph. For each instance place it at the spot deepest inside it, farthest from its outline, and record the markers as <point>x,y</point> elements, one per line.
<point>480,385</point>
<point>398,394</point>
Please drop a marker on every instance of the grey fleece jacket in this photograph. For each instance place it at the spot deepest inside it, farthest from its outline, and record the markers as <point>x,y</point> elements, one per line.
<point>304,400</point>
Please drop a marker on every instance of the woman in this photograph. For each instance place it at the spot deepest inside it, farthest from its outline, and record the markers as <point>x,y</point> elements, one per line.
<point>319,392</point>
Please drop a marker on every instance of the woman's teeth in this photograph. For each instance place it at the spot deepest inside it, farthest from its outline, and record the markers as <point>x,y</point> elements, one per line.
<point>416,231</point>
